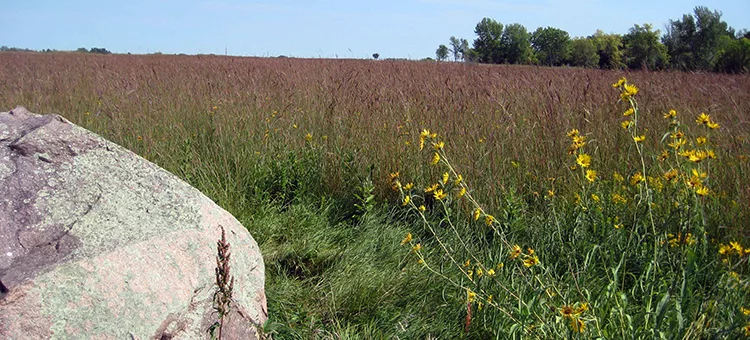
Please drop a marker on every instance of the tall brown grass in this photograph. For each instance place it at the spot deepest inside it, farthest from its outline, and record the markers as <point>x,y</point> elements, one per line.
<point>509,122</point>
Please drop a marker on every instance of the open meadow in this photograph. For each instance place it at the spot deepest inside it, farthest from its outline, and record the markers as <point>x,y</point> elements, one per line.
<point>422,200</point>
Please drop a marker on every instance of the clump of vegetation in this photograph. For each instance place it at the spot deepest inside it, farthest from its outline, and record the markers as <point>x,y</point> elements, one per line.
<point>631,256</point>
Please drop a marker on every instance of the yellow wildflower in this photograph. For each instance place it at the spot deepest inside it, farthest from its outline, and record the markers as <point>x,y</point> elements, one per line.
<point>626,124</point>
<point>629,112</point>
<point>422,208</point>
<point>489,299</point>
<point>550,193</point>
<point>393,175</point>
<point>490,272</point>
<point>671,174</point>
<point>516,250</point>
<point>700,141</point>
<point>670,114</point>
<point>459,179</point>
<point>445,178</point>
<point>438,145</point>
<point>617,177</point>
<point>530,261</point>
<point>530,251</point>
<point>409,186</point>
<point>745,311</point>
<point>566,311</point>
<point>431,188</point>
<point>697,156</point>
<point>664,155</point>
<point>577,324</point>
<point>470,296</point>
<point>500,265</point>
<point>406,239</point>
<point>639,139</point>
<point>479,272</point>
<point>461,192</point>
<point>725,249</point>
<point>439,194</point>
<point>578,142</point>
<point>695,182</point>
<point>476,214</point>
<point>591,175</point>
<point>308,137</point>
<point>595,197</point>
<point>620,83</point>
<point>406,201</point>
<point>573,133</point>
<point>435,159</point>
<point>417,247</point>
<point>489,219</point>
<point>703,118</point>
<point>422,137</point>
<point>737,247</point>
<point>712,125</point>
<point>583,160</point>
<point>628,91</point>
<point>636,178</point>
<point>580,309</point>
<point>467,264</point>
<point>677,143</point>
<point>702,191</point>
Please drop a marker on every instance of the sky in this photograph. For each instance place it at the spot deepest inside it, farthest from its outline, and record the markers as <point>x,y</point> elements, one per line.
<point>317,28</point>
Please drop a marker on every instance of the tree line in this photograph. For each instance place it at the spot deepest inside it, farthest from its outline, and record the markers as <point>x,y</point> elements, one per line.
<point>700,41</point>
<point>98,50</point>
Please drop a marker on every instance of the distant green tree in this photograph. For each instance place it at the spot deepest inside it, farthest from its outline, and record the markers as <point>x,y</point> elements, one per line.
<point>609,48</point>
<point>583,53</point>
<point>82,50</point>
<point>693,42</point>
<point>487,46</point>
<point>464,49</point>
<point>680,42</point>
<point>643,48</point>
<point>442,53</point>
<point>15,49</point>
<point>734,55</point>
<point>375,56</point>
<point>470,55</point>
<point>516,44</point>
<point>99,50</point>
<point>551,45</point>
<point>455,48</point>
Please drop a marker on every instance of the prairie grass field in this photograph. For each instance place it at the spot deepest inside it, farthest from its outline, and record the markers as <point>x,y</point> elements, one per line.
<point>496,227</point>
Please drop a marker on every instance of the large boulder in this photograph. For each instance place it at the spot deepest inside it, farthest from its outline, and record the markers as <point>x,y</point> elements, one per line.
<point>98,243</point>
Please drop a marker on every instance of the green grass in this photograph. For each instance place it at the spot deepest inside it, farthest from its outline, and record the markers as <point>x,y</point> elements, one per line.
<point>300,151</point>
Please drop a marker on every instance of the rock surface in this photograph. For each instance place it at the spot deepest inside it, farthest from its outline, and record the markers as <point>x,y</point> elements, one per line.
<point>98,243</point>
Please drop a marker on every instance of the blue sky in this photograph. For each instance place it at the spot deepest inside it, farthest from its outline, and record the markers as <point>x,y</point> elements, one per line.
<point>317,28</point>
